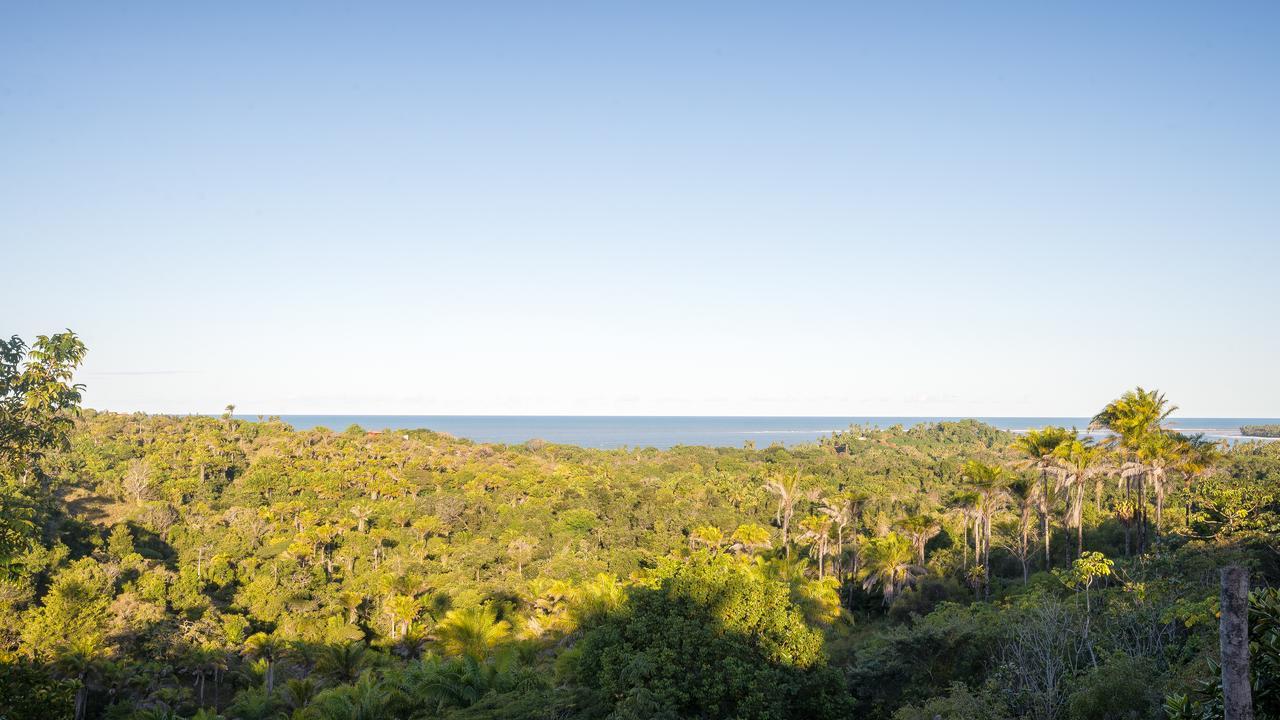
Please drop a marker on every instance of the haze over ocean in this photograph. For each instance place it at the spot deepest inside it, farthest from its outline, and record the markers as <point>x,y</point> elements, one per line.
<point>604,431</point>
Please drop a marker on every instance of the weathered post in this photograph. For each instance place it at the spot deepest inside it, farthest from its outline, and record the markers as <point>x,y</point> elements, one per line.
<point>1233,641</point>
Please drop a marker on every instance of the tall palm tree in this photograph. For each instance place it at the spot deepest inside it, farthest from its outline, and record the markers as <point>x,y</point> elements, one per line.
<point>965,504</point>
<point>889,566</point>
<point>1023,492</point>
<point>817,532</point>
<point>1135,420</point>
<point>789,487</point>
<point>920,528</point>
<point>845,511</point>
<point>989,483</point>
<point>1037,448</point>
<point>1197,458</point>
<point>402,610</point>
<point>1082,460</point>
<point>78,665</point>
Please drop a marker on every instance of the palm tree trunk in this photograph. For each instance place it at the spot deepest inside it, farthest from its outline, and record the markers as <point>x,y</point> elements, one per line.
<point>1044,516</point>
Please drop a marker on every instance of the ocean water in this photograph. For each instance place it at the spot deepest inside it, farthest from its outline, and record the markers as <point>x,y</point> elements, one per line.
<point>664,432</point>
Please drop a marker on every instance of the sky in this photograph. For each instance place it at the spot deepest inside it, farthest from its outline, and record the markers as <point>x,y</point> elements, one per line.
<point>647,208</point>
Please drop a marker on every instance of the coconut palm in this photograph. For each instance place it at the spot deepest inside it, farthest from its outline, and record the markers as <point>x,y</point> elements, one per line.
<point>1037,448</point>
<point>889,565</point>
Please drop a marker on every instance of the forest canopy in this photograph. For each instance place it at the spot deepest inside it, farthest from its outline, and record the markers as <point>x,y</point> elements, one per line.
<point>180,567</point>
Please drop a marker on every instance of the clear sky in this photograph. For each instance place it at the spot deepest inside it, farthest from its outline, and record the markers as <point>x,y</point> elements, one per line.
<point>649,208</point>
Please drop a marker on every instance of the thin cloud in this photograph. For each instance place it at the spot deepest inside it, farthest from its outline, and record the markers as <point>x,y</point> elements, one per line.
<point>143,372</point>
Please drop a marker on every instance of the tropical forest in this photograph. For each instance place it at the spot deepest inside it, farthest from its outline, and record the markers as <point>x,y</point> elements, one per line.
<point>157,567</point>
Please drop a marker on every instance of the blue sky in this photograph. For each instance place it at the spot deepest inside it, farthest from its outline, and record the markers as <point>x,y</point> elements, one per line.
<point>664,208</point>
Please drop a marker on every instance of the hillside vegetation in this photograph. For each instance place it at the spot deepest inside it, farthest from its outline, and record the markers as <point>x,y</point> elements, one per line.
<point>182,567</point>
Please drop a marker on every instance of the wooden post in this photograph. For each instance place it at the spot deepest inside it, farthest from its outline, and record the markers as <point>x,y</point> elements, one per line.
<point>1233,639</point>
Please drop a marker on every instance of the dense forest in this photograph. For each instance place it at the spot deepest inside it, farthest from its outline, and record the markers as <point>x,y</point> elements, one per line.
<point>204,567</point>
<point>1266,431</point>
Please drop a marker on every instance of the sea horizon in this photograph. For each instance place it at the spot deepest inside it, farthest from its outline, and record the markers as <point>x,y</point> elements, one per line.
<point>665,431</point>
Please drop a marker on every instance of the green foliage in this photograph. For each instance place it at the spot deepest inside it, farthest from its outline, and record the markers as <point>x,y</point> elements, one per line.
<point>709,638</point>
<point>1266,431</point>
<point>1121,688</point>
<point>177,566</point>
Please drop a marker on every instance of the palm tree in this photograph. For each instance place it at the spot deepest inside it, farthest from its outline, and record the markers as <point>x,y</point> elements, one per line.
<point>1037,448</point>
<point>472,632</point>
<point>920,529</point>
<point>1082,460</point>
<point>750,537</point>
<point>261,646</point>
<point>361,514</point>
<point>988,483</point>
<point>708,536</point>
<point>889,566</point>
<point>403,610</point>
<point>78,665</point>
<point>366,700</point>
<point>343,663</point>
<point>817,532</point>
<point>1197,458</point>
<point>846,512</point>
<point>1023,491</point>
<point>789,489</point>
<point>1135,420</point>
<point>297,693</point>
<point>966,506</point>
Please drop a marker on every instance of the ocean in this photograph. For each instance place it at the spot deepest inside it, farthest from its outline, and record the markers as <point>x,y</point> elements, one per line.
<point>663,432</point>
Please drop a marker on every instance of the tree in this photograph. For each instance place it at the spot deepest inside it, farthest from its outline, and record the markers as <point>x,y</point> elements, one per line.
<point>74,617</point>
<point>889,565</point>
<point>37,399</point>
<point>709,639</point>
<point>708,536</point>
<point>1082,460</point>
<point>473,632</point>
<point>988,483</point>
<point>269,649</point>
<point>1038,448</point>
<point>920,529</point>
<point>343,662</point>
<point>1136,421</point>
<point>789,487</point>
<point>520,550</point>
<point>750,537</point>
<point>817,532</point>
